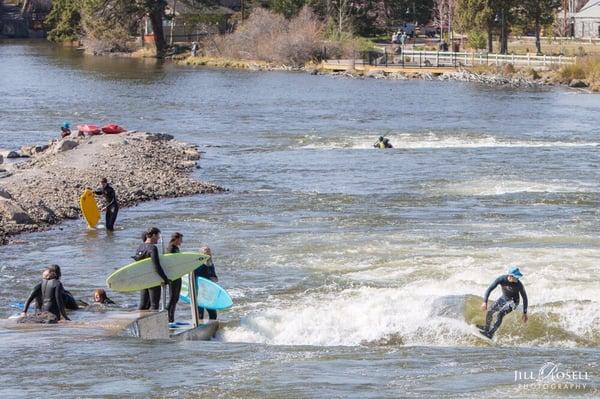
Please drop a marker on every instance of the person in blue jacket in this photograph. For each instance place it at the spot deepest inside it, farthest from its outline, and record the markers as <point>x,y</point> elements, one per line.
<point>512,289</point>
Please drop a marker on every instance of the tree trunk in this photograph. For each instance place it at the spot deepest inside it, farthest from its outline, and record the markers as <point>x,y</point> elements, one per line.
<point>538,43</point>
<point>156,18</point>
<point>490,39</point>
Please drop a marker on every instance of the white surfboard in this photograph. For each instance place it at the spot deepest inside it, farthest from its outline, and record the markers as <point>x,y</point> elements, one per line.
<point>476,332</point>
<point>141,274</point>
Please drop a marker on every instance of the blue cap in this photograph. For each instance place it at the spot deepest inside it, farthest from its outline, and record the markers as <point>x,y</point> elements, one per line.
<point>515,272</point>
<point>66,125</point>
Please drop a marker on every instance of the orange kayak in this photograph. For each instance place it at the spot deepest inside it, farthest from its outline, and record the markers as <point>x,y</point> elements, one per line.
<point>112,129</point>
<point>89,129</point>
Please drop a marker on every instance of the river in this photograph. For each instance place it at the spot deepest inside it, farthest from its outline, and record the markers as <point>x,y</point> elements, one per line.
<point>340,258</point>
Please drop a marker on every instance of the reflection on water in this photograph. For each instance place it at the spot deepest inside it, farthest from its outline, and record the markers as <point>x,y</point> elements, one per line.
<point>335,254</point>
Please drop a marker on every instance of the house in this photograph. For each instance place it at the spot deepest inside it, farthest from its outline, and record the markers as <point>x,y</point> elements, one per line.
<point>587,21</point>
<point>187,21</point>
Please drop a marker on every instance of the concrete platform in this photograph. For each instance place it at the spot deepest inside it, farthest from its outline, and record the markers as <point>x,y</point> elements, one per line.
<point>145,325</point>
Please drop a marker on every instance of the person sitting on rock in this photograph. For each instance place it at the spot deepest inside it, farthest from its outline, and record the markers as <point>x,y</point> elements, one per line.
<point>65,130</point>
<point>112,206</point>
<point>49,294</point>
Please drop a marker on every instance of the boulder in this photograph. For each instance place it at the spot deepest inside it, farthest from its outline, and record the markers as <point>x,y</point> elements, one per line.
<point>65,145</point>
<point>13,154</point>
<point>13,213</point>
<point>578,83</point>
<point>1,159</point>
<point>5,194</point>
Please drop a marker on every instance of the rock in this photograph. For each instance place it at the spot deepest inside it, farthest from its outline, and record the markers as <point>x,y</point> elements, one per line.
<point>578,83</point>
<point>1,159</point>
<point>159,137</point>
<point>13,154</point>
<point>5,194</point>
<point>191,155</point>
<point>13,213</point>
<point>32,150</point>
<point>65,145</point>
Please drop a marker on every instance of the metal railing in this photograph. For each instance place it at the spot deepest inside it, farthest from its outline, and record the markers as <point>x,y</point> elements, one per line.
<point>432,59</point>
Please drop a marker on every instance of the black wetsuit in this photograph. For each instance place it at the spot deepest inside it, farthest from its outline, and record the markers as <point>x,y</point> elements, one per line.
<point>174,288</point>
<point>208,272</point>
<point>51,293</point>
<point>112,206</point>
<point>150,297</point>
<point>68,299</point>
<point>505,304</point>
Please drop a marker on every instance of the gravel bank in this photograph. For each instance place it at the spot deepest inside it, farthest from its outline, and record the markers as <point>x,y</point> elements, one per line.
<point>45,189</point>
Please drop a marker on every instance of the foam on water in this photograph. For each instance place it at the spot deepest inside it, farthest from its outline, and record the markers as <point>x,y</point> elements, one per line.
<point>436,140</point>
<point>398,303</point>
<point>501,186</point>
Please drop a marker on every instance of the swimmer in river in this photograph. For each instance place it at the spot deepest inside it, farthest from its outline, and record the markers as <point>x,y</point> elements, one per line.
<point>101,298</point>
<point>511,289</point>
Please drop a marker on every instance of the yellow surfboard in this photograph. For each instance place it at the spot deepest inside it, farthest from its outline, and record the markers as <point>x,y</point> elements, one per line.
<point>89,208</point>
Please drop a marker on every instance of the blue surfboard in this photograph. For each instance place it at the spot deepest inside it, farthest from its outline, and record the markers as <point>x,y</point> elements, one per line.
<point>209,295</point>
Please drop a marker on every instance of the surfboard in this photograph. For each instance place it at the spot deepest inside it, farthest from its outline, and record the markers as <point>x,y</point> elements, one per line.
<point>210,295</point>
<point>476,332</point>
<point>89,208</point>
<point>141,274</point>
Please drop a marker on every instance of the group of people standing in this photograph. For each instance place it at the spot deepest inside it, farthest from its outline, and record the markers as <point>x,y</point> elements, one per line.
<point>150,297</point>
<point>52,299</point>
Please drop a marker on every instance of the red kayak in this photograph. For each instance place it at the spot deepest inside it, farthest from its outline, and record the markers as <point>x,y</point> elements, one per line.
<point>89,129</point>
<point>112,129</point>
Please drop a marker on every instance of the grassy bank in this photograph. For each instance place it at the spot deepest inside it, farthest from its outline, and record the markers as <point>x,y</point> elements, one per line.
<point>586,70</point>
<point>225,62</point>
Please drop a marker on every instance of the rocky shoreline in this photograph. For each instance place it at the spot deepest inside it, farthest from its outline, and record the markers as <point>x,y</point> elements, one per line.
<point>44,189</point>
<point>516,79</point>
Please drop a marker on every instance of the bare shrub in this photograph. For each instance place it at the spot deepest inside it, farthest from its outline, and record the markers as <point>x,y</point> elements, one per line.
<point>268,36</point>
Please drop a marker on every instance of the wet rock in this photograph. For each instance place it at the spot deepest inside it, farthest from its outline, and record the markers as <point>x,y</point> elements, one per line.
<point>13,154</point>
<point>578,83</point>
<point>65,145</point>
<point>1,159</point>
<point>5,194</point>
<point>13,213</point>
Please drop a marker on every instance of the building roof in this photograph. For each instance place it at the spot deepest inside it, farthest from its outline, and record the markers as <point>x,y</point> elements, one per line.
<point>590,10</point>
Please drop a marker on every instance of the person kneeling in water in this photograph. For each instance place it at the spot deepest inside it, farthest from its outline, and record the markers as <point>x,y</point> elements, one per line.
<point>511,289</point>
<point>49,294</point>
<point>383,143</point>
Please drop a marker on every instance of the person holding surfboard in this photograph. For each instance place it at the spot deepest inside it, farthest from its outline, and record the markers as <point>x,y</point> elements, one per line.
<point>150,297</point>
<point>207,271</point>
<point>512,288</point>
<point>175,286</point>
<point>112,206</point>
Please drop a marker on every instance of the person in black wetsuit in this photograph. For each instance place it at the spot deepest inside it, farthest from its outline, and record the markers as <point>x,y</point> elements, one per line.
<point>208,272</point>
<point>51,292</point>
<point>150,297</point>
<point>68,299</point>
<point>112,206</point>
<point>512,288</point>
<point>175,286</point>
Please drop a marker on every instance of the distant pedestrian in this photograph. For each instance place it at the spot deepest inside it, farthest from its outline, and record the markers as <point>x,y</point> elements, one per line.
<point>194,49</point>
